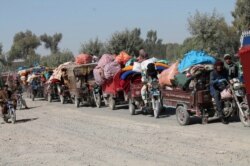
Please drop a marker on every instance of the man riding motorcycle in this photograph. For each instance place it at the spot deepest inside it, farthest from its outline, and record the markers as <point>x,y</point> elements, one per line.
<point>150,91</point>
<point>5,95</point>
<point>219,73</point>
<point>19,91</point>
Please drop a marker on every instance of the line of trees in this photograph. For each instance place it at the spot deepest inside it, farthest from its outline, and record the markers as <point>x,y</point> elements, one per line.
<point>209,31</point>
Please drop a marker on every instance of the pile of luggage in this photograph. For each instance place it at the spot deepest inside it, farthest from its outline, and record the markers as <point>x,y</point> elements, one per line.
<point>138,69</point>
<point>57,72</point>
<point>27,74</point>
<point>182,72</point>
<point>106,68</point>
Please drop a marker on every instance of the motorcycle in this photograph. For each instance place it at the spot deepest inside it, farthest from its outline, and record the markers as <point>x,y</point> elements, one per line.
<point>52,92</point>
<point>153,98</point>
<point>37,91</point>
<point>235,101</point>
<point>11,112</point>
<point>65,95</point>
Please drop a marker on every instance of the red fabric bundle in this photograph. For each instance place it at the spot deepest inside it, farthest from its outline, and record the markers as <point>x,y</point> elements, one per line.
<point>83,59</point>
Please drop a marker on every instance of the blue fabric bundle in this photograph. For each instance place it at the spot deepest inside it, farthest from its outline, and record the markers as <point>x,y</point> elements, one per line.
<point>22,68</point>
<point>160,68</point>
<point>128,73</point>
<point>194,58</point>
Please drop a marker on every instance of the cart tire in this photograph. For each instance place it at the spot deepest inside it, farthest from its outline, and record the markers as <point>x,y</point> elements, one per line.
<point>97,98</point>
<point>46,97</point>
<point>131,107</point>
<point>49,98</point>
<point>62,99</point>
<point>111,103</point>
<point>5,118</point>
<point>182,115</point>
<point>77,103</point>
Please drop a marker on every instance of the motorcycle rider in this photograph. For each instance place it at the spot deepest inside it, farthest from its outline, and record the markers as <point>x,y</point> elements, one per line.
<point>151,75</point>
<point>5,95</point>
<point>216,75</point>
<point>19,90</point>
<point>35,85</point>
<point>231,67</point>
<point>3,98</point>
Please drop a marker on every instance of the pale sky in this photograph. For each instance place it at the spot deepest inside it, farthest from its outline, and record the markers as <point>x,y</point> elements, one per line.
<point>81,20</point>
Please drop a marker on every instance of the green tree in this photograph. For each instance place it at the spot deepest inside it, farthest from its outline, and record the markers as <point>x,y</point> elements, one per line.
<point>51,42</point>
<point>127,40</point>
<point>2,58</point>
<point>154,46</point>
<point>56,59</point>
<point>93,47</point>
<point>24,44</point>
<point>211,33</point>
<point>172,51</point>
<point>241,15</point>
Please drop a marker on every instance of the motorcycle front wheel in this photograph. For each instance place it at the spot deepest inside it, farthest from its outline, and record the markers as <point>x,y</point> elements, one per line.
<point>156,107</point>
<point>13,116</point>
<point>244,114</point>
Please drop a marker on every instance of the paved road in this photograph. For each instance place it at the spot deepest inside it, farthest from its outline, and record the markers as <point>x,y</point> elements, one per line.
<point>56,134</point>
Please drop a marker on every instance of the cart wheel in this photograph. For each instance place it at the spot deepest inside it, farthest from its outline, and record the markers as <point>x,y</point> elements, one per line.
<point>49,98</point>
<point>182,115</point>
<point>77,103</point>
<point>111,103</point>
<point>131,107</point>
<point>46,97</point>
<point>97,98</point>
<point>62,99</point>
<point>5,118</point>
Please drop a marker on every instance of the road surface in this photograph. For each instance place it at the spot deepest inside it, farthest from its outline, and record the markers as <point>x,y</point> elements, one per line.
<point>56,134</point>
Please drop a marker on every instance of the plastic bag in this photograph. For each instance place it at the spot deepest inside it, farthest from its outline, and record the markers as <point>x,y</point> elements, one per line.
<point>137,67</point>
<point>167,75</point>
<point>193,58</point>
<point>226,93</point>
<point>123,58</point>
<point>130,62</point>
<point>145,63</point>
<point>111,69</point>
<point>99,76</point>
<point>105,59</point>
